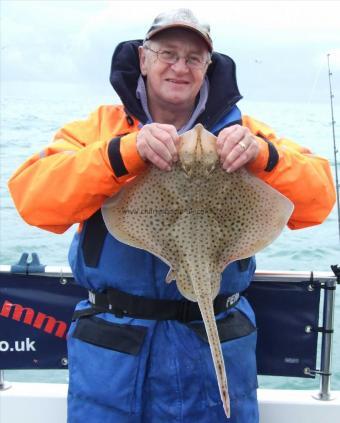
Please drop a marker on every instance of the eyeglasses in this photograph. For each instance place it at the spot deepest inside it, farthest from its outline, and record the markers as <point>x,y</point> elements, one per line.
<point>170,57</point>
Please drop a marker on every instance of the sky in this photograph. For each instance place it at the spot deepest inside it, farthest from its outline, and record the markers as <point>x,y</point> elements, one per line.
<point>280,47</point>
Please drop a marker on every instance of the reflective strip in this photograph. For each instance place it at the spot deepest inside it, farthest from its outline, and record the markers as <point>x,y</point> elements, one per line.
<point>42,154</point>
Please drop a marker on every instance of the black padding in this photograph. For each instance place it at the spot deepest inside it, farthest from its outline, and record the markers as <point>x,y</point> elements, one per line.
<point>94,236</point>
<point>123,338</point>
<point>235,325</point>
<point>115,158</point>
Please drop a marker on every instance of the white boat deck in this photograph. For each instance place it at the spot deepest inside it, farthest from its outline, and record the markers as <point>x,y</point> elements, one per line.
<point>46,402</point>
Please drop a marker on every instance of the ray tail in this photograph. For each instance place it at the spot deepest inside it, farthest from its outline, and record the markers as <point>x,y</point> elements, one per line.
<point>207,311</point>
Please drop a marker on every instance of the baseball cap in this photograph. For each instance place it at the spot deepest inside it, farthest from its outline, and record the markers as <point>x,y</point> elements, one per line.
<point>180,18</point>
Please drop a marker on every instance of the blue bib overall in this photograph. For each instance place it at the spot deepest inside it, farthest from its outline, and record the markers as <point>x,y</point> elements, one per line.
<point>127,370</point>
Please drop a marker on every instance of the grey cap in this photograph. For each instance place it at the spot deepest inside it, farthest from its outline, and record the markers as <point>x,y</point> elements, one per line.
<point>180,18</point>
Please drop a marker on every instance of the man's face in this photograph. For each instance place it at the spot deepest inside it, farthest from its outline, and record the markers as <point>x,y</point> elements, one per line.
<point>174,84</point>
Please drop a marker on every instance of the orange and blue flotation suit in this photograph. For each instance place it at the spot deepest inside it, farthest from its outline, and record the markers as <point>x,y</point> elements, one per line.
<point>135,370</point>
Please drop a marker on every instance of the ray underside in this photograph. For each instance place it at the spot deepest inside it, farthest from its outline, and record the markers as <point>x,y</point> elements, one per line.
<point>198,218</point>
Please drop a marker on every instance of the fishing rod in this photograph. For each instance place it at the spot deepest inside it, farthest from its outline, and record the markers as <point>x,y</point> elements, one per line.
<point>334,142</point>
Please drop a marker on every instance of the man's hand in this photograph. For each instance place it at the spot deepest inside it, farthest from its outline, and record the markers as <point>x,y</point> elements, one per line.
<point>236,146</point>
<point>156,143</point>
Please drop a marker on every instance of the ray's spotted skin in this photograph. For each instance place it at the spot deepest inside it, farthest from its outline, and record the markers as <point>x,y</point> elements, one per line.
<point>198,219</point>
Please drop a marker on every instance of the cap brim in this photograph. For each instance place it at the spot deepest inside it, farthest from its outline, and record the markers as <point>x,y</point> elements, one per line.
<point>184,26</point>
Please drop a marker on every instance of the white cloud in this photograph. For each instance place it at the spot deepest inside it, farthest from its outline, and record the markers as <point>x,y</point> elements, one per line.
<point>74,40</point>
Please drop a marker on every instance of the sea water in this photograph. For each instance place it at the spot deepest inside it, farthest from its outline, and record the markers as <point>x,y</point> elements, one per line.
<point>32,112</point>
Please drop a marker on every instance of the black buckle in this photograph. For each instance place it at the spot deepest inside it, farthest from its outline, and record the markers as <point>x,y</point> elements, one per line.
<point>119,312</point>
<point>112,304</point>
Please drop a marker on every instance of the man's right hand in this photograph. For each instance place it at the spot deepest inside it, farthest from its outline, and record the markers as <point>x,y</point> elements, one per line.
<point>157,143</point>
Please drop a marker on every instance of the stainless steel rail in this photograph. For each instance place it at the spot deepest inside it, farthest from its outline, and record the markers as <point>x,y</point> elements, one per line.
<point>3,384</point>
<point>260,275</point>
<point>324,393</point>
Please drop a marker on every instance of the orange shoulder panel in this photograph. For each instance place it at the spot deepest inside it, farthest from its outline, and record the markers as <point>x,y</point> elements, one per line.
<point>304,178</point>
<point>69,179</point>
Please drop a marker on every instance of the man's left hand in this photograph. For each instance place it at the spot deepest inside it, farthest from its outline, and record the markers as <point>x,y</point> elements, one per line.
<point>236,146</point>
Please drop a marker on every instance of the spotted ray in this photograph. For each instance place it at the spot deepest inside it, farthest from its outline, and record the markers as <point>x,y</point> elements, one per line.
<point>197,218</point>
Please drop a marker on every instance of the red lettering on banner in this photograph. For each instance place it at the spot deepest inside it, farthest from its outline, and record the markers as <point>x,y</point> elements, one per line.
<point>18,312</point>
<point>28,316</point>
<point>50,325</point>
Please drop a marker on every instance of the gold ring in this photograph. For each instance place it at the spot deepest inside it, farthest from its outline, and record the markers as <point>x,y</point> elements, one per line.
<point>242,145</point>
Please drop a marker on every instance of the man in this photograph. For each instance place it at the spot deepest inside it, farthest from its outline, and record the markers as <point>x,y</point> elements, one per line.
<point>127,362</point>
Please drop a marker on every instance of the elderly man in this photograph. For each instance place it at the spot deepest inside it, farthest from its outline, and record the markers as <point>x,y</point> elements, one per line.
<point>127,362</point>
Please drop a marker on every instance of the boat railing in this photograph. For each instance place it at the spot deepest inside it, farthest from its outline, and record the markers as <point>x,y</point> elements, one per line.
<point>292,309</point>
